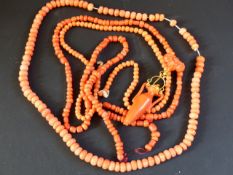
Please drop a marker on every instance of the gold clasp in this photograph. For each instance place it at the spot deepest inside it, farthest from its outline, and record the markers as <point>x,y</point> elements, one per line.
<point>153,81</point>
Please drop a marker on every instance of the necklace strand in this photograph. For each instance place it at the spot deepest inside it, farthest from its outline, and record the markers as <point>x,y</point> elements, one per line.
<point>90,82</point>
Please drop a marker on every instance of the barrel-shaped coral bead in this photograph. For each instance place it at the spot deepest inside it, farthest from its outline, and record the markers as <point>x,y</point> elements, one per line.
<point>178,149</point>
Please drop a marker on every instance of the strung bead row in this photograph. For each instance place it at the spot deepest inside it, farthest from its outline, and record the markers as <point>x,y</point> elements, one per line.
<point>92,77</point>
<point>62,28</point>
<point>72,22</point>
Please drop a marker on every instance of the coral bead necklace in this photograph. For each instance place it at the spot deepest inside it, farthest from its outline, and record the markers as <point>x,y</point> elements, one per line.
<point>146,104</point>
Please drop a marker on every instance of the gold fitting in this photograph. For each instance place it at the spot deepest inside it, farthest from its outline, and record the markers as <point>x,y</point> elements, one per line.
<point>154,81</point>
